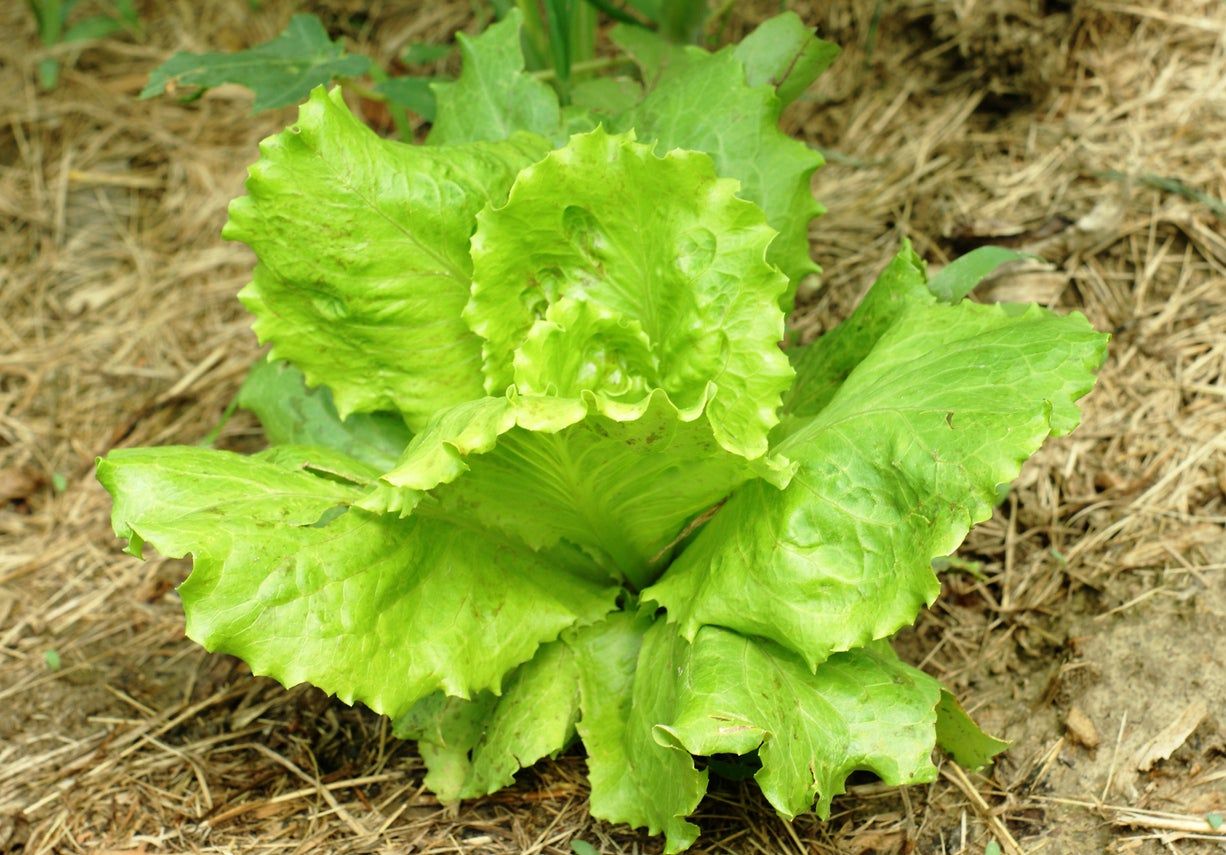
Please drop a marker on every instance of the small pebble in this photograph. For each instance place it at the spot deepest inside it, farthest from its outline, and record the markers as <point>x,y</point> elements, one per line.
<point>1081,729</point>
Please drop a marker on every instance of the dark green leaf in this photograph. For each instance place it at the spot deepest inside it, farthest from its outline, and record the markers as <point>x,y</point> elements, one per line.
<point>412,93</point>
<point>280,72</point>
<point>424,53</point>
<point>292,414</point>
<point>676,20</point>
<point>493,97</point>
<point>128,14</point>
<point>783,53</point>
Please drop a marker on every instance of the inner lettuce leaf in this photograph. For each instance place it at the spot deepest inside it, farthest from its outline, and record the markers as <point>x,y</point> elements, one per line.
<point>641,351</point>
<point>363,257</point>
<point>702,101</point>
<point>621,482</point>
<point>664,252</point>
<point>726,104</point>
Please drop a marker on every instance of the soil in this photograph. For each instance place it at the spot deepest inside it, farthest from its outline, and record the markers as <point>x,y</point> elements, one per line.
<point>1091,634</point>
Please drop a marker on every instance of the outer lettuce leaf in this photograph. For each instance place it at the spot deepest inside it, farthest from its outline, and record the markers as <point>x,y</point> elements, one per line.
<point>784,54</point>
<point>621,481</point>
<point>494,98</point>
<point>600,100</point>
<point>823,366</point>
<point>861,710</point>
<point>894,471</point>
<point>961,275</point>
<point>658,245</point>
<point>651,52</point>
<point>364,264</point>
<point>475,747</point>
<point>960,738</point>
<point>702,101</point>
<point>371,608</point>
<point>292,414</point>
<point>628,685</point>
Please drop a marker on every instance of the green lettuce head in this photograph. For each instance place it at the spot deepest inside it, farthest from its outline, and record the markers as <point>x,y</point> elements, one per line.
<point>540,472</point>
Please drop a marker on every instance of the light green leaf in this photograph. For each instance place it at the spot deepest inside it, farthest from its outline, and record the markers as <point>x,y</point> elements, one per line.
<point>702,102</point>
<point>627,685</point>
<point>784,54</point>
<point>659,245</point>
<point>619,481</point>
<point>292,414</point>
<point>493,97</point>
<point>372,608</point>
<point>863,709</point>
<point>823,366</point>
<point>960,738</point>
<point>475,747</point>
<point>894,471</point>
<point>279,72</point>
<point>364,264</point>
<point>960,276</point>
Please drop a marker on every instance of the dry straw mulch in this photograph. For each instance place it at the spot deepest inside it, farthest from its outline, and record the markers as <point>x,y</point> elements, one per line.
<point>1090,631</point>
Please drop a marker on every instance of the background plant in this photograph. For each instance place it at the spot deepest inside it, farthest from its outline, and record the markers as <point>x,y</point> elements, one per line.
<point>558,39</point>
<point>56,27</point>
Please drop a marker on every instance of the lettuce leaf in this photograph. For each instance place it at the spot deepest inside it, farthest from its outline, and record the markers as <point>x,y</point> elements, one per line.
<point>474,747</point>
<point>657,247</point>
<point>627,685</point>
<point>292,414</point>
<point>726,104</point>
<point>621,483</point>
<point>894,470</point>
<point>493,98</point>
<point>863,709</point>
<point>304,587</point>
<point>641,351</point>
<point>363,257</point>
<point>703,102</point>
<point>784,54</point>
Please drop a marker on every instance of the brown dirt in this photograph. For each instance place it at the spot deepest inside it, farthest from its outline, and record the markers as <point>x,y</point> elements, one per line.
<point>1100,613</point>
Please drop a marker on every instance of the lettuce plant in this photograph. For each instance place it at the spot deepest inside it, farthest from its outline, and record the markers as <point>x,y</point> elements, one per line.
<point>540,470</point>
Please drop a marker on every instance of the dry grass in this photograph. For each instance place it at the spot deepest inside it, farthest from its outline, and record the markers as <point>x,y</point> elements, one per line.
<point>1084,135</point>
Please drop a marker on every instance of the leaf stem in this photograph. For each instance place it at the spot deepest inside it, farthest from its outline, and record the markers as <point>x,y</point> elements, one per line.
<point>599,64</point>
